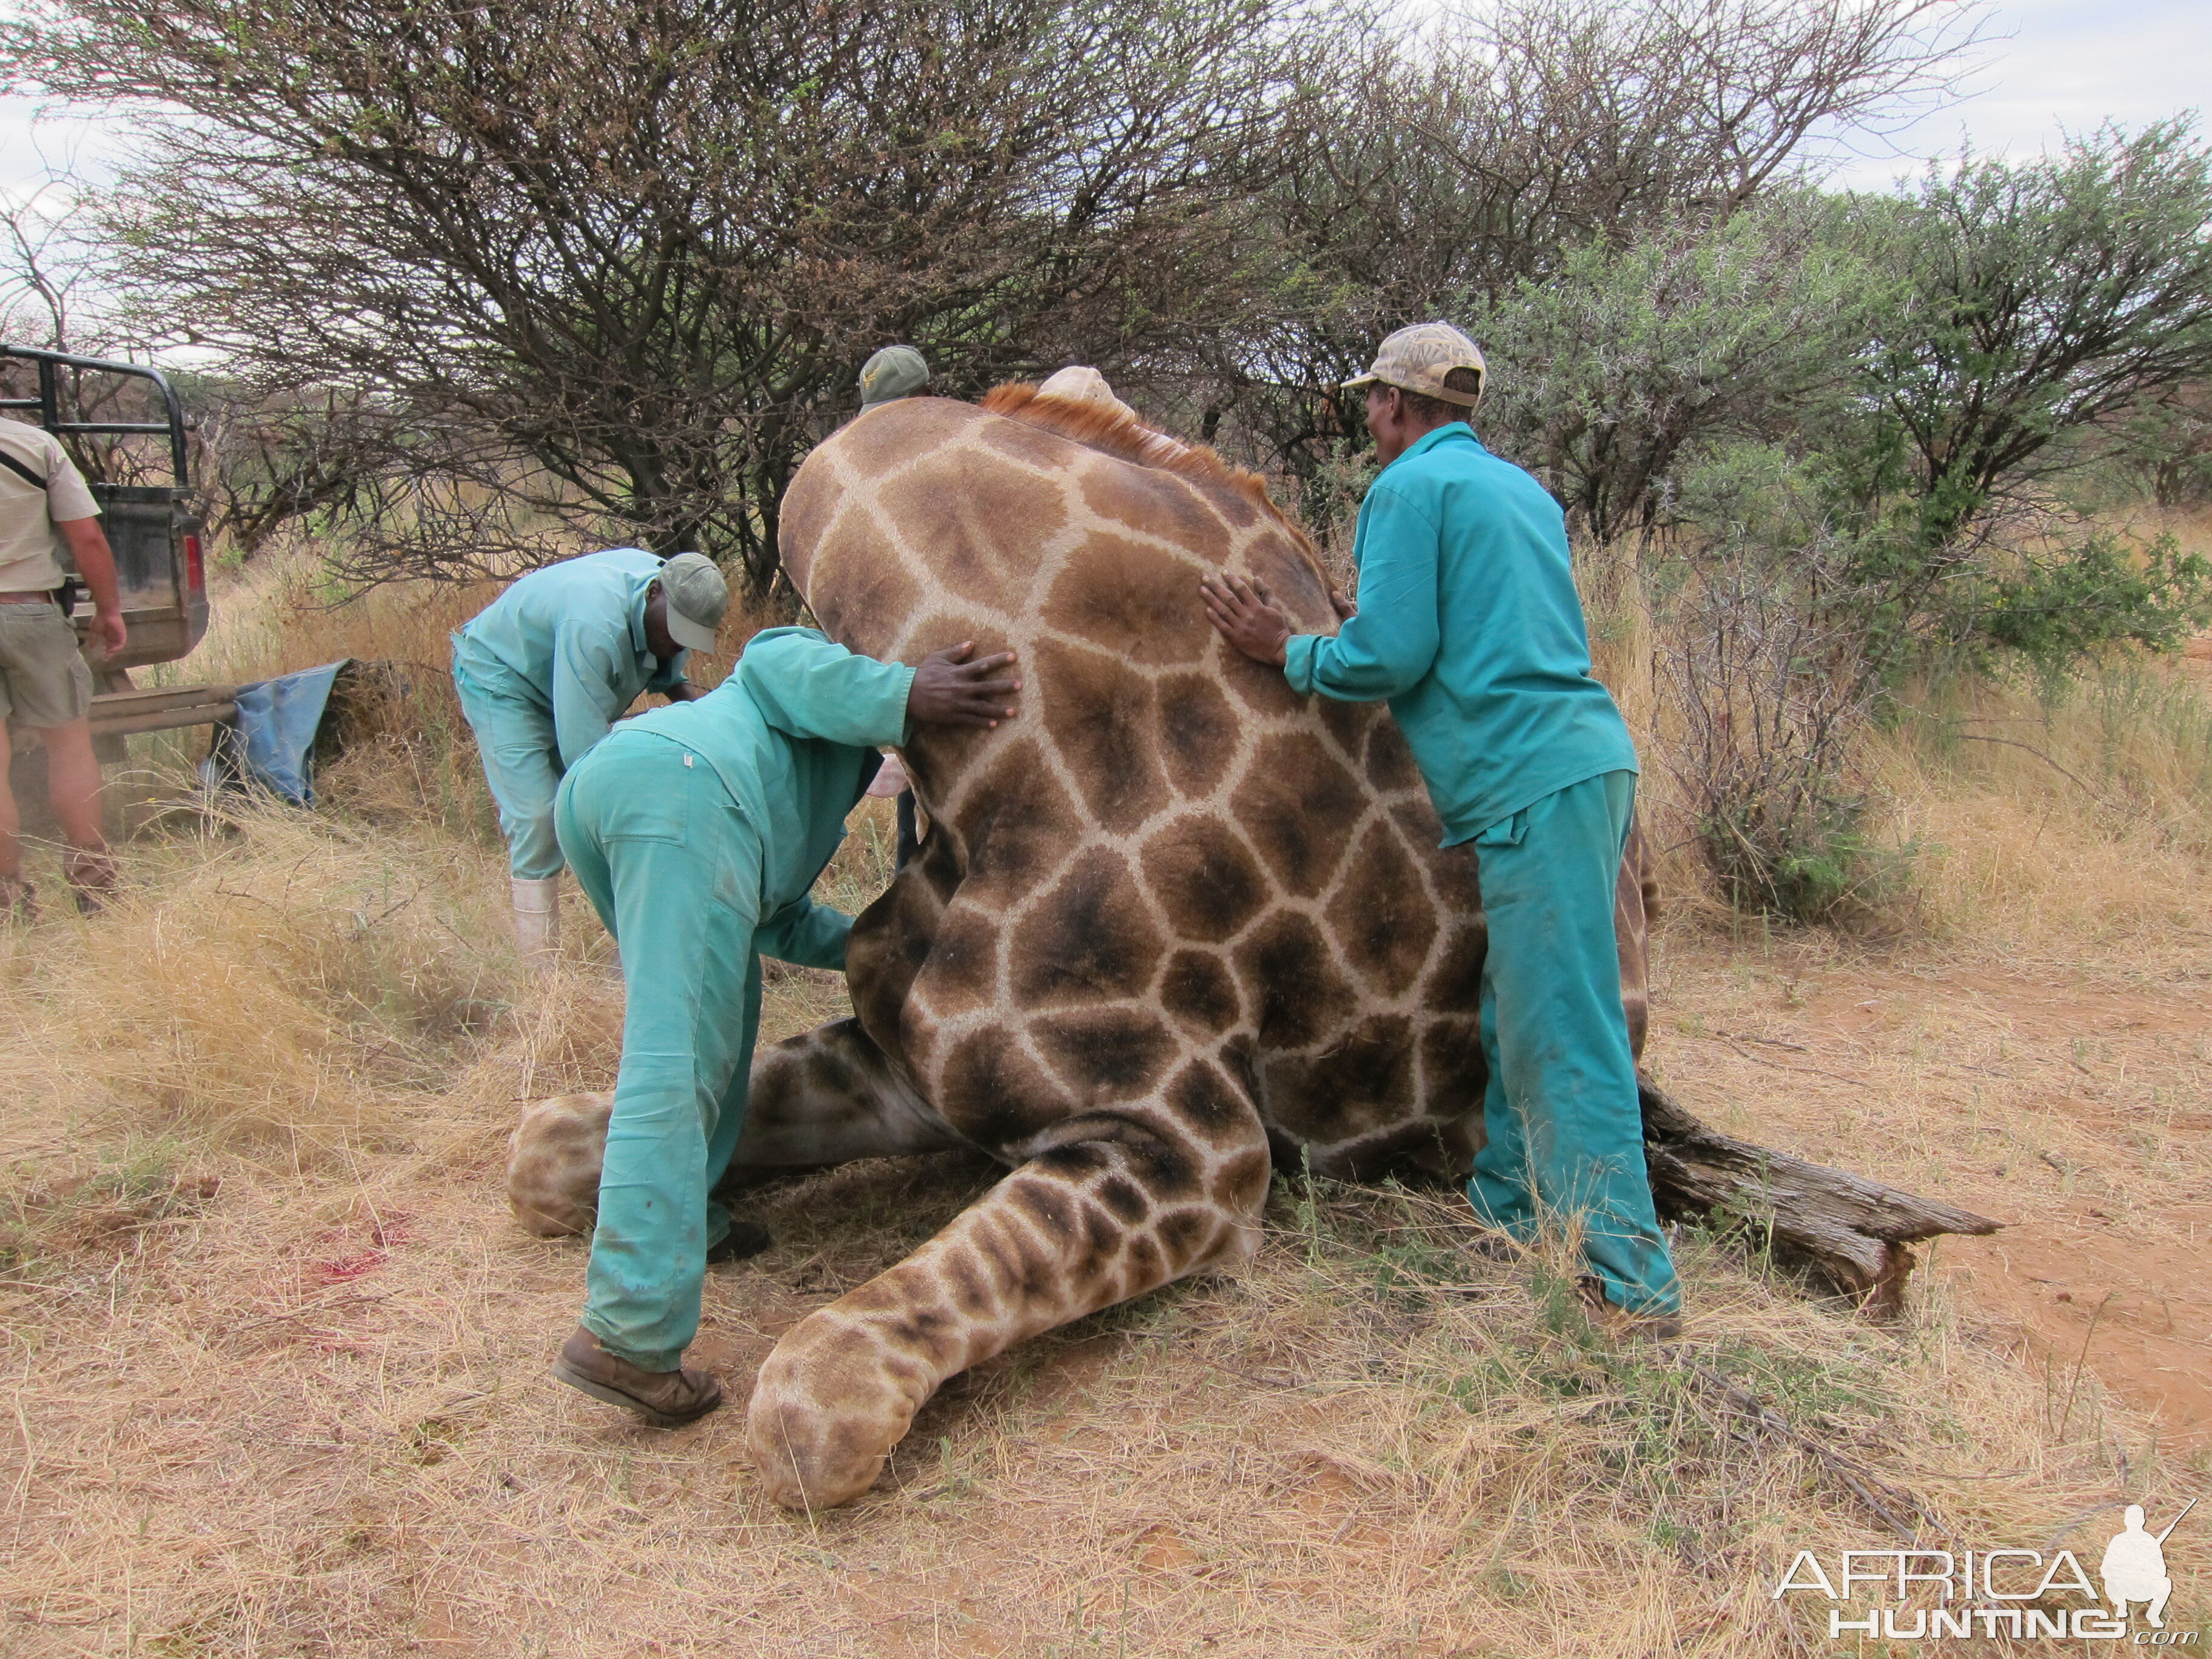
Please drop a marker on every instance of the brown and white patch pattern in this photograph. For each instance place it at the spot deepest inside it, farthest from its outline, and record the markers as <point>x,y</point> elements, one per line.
<point>1171,920</point>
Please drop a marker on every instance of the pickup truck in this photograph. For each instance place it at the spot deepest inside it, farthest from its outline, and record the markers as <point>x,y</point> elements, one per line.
<point>155,531</point>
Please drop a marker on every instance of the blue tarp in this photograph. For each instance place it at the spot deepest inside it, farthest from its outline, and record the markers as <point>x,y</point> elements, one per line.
<point>271,745</point>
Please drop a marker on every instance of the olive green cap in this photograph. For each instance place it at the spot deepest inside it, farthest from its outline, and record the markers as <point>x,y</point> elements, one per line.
<point>895,371</point>
<point>697,598</point>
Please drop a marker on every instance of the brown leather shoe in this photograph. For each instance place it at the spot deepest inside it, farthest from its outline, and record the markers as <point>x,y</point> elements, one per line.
<point>666,1400</point>
<point>1616,1323</point>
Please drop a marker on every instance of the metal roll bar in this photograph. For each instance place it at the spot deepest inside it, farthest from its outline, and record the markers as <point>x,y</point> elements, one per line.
<point>48,402</point>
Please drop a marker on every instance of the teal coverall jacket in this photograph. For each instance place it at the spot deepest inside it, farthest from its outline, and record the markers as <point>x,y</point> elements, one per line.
<point>543,672</point>
<point>1470,625</point>
<point>697,831</point>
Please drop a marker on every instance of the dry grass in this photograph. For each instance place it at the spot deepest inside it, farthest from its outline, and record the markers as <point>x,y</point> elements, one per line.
<point>304,1412</point>
<point>273,1354</point>
<point>2069,822</point>
<point>2066,823</point>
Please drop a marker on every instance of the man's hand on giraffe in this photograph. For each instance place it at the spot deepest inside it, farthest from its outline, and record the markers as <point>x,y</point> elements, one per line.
<point>1245,614</point>
<point>1346,608</point>
<point>950,690</point>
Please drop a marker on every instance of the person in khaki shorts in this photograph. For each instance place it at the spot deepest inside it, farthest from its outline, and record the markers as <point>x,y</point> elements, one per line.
<point>45,685</point>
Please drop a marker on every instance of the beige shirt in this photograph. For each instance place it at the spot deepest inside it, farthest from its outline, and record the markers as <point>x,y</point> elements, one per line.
<point>30,560</point>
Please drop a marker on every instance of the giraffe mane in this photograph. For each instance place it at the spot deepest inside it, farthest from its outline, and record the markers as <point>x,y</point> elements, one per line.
<point>1127,438</point>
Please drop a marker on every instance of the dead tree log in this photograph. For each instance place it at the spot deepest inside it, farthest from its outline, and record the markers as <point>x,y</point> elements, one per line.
<point>1854,1233</point>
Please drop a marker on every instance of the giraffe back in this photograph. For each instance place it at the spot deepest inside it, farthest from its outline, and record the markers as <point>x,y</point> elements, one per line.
<point>1165,854</point>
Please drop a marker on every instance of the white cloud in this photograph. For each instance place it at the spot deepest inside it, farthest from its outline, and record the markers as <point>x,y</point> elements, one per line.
<point>39,142</point>
<point>2055,67</point>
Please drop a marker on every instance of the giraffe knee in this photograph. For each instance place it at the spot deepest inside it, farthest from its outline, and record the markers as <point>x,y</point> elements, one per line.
<point>553,1163</point>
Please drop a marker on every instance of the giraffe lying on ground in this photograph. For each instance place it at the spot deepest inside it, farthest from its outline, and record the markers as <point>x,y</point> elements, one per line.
<point>1171,922</point>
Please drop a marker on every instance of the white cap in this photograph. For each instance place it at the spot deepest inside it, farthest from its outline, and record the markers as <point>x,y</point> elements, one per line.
<point>1081,384</point>
<point>697,599</point>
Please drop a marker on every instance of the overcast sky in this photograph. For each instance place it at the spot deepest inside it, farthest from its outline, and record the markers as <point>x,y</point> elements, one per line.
<point>2053,67</point>
<point>2049,67</point>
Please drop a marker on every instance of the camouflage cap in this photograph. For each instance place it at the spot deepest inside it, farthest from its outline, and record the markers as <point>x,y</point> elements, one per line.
<point>895,371</point>
<point>1417,359</point>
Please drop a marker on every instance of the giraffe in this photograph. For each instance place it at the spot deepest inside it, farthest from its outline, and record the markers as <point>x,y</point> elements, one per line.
<point>1172,924</point>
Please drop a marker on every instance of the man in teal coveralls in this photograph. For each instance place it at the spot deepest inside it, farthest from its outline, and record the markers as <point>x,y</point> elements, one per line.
<point>1468,621</point>
<point>697,831</point>
<point>549,666</point>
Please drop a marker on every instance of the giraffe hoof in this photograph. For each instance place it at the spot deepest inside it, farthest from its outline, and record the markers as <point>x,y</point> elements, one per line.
<point>553,1163</point>
<point>825,1413</point>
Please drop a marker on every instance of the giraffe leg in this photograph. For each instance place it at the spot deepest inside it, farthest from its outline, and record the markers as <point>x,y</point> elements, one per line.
<point>1114,1209</point>
<point>825,1097</point>
<point>1635,897</point>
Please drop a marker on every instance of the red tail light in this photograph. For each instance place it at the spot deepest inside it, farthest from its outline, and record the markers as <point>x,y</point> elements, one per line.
<point>195,571</point>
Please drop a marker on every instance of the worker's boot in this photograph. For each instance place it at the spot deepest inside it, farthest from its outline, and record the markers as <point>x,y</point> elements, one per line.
<point>666,1400</point>
<point>91,878</point>
<point>744,1240</point>
<point>538,918</point>
<point>1609,1319</point>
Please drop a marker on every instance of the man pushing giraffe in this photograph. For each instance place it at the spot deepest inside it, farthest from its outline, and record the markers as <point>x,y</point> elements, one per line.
<point>1468,625</point>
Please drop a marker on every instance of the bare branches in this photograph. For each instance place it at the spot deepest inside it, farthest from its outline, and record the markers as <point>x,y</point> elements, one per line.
<point>1458,165</point>
<point>1767,669</point>
<point>619,260</point>
<point>51,290</point>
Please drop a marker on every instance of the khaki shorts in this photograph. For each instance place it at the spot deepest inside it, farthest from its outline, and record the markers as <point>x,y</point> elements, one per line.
<point>44,680</point>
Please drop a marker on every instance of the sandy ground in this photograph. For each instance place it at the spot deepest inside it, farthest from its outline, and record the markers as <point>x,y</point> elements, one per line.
<point>265,1405</point>
<point>2074,1109</point>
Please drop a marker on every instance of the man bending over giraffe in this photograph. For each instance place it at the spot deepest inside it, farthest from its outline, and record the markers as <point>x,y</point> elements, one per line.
<point>549,666</point>
<point>697,831</point>
<point>1467,620</point>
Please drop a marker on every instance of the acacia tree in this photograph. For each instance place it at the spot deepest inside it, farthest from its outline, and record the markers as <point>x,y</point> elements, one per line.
<point>2041,298</point>
<point>1463,164</point>
<point>609,266</point>
<point>1628,364</point>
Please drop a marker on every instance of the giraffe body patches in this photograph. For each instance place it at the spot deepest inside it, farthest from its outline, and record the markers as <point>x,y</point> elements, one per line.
<point>1303,996</point>
<point>553,1163</point>
<point>1090,938</point>
<point>1299,805</point>
<point>1106,1054</point>
<point>1171,920</point>
<point>1205,877</point>
<point>1133,599</point>
<point>1197,734</point>
<point>1390,767</point>
<point>1198,989</point>
<point>1097,713</point>
<point>1380,916</point>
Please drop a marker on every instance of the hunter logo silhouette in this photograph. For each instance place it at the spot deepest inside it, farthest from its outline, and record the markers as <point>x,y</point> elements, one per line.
<point>2134,1567</point>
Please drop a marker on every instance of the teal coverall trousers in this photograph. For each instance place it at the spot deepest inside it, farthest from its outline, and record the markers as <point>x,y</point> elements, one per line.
<point>672,865</point>
<point>1565,1131</point>
<point>522,763</point>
